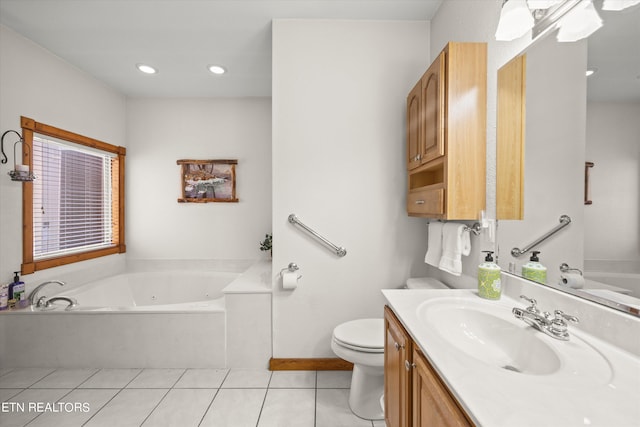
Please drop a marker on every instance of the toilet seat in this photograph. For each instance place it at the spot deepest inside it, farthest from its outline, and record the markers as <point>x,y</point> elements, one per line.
<point>366,335</point>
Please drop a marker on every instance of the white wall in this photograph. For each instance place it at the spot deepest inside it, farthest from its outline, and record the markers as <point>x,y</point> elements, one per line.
<point>339,96</point>
<point>39,85</point>
<point>161,131</point>
<point>612,228</point>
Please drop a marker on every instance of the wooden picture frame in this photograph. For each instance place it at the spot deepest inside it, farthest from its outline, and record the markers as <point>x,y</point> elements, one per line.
<point>205,181</point>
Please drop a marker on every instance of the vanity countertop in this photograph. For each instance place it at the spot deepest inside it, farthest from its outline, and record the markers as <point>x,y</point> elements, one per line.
<point>607,395</point>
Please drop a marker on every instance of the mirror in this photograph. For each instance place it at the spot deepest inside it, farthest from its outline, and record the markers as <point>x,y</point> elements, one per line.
<point>568,120</point>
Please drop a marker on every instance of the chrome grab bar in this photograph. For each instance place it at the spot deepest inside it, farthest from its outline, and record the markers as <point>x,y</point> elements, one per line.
<point>564,221</point>
<point>339,250</point>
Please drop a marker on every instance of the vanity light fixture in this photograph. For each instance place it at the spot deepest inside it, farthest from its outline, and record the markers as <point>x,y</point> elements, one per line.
<point>618,4</point>
<point>216,69</point>
<point>147,69</point>
<point>579,23</point>
<point>515,20</point>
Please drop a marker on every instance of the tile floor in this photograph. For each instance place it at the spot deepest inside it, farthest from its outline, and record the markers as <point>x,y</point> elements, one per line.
<point>176,397</point>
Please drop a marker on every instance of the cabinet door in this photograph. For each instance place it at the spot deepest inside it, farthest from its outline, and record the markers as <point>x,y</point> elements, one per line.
<point>414,144</point>
<point>433,406</point>
<point>397,379</point>
<point>433,108</point>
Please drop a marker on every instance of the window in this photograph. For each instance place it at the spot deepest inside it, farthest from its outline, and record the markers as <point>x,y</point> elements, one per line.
<point>74,210</point>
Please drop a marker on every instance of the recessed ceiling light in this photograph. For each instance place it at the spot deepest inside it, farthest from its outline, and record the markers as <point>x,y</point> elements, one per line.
<point>216,69</point>
<point>147,69</point>
<point>591,71</point>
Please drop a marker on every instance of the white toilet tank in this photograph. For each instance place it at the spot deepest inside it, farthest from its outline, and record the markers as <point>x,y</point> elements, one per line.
<point>425,283</point>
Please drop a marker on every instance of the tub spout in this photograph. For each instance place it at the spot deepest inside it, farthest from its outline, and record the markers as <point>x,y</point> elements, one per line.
<point>73,303</point>
<point>33,296</point>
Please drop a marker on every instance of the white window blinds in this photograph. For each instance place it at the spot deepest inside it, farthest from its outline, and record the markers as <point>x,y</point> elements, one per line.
<point>72,198</point>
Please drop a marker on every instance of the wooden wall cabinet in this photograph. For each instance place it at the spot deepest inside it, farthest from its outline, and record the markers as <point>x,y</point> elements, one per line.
<point>414,395</point>
<point>446,135</point>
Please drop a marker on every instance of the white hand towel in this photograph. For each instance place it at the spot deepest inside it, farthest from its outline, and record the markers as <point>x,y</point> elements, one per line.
<point>452,247</point>
<point>434,244</point>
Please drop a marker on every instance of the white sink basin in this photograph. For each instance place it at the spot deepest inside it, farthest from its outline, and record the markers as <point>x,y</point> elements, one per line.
<point>488,332</point>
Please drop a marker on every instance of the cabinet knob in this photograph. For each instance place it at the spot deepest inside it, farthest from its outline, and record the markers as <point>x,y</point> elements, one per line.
<point>419,202</point>
<point>399,346</point>
<point>409,365</point>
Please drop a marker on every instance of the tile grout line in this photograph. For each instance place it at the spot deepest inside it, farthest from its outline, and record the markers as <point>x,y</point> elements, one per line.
<point>315,401</point>
<point>155,407</point>
<point>214,397</point>
<point>264,400</point>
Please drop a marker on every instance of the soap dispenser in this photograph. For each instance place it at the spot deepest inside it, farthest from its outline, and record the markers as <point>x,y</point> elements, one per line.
<point>489,285</point>
<point>17,291</point>
<point>533,270</point>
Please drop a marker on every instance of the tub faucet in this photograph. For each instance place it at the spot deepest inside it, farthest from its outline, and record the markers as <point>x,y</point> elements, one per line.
<point>556,327</point>
<point>33,296</point>
<point>73,303</point>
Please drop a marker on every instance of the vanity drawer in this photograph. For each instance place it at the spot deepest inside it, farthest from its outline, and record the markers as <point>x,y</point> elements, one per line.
<point>426,201</point>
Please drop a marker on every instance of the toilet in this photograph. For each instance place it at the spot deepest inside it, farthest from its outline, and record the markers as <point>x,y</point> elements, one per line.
<point>361,342</point>
<point>425,283</point>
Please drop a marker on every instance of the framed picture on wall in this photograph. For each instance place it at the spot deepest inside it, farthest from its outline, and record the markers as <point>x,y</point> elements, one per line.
<point>204,181</point>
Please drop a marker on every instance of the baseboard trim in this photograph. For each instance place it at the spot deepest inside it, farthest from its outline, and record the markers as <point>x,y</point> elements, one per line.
<point>317,364</point>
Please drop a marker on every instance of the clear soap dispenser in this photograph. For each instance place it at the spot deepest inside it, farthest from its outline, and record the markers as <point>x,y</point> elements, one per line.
<point>533,270</point>
<point>489,285</point>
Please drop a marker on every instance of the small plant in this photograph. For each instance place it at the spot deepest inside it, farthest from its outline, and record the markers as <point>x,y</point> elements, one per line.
<point>266,244</point>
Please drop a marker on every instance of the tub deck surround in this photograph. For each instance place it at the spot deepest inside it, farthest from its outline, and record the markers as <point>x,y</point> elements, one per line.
<point>499,397</point>
<point>220,320</point>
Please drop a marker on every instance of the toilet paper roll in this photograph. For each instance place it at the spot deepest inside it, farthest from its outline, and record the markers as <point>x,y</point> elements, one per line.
<point>290,280</point>
<point>572,280</point>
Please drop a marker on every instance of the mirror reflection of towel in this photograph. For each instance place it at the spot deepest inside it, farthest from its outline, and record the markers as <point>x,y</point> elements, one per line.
<point>456,242</point>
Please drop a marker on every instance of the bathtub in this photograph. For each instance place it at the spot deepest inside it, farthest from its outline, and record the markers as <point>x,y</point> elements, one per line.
<point>165,291</point>
<point>149,319</point>
<point>626,283</point>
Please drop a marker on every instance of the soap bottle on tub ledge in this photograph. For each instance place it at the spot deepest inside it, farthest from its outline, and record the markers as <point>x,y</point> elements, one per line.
<point>533,270</point>
<point>489,285</point>
<point>17,292</point>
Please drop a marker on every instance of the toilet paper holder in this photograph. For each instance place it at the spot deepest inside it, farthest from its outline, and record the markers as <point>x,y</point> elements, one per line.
<point>293,267</point>
<point>564,267</point>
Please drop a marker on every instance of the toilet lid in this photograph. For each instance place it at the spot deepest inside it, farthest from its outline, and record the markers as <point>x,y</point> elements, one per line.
<point>361,333</point>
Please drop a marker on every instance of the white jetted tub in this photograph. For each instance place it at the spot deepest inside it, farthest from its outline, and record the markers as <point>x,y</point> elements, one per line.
<point>151,319</point>
<point>163,291</point>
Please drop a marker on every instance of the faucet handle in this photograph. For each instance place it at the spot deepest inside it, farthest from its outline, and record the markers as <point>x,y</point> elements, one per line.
<point>532,308</point>
<point>41,301</point>
<point>561,315</point>
<point>558,326</point>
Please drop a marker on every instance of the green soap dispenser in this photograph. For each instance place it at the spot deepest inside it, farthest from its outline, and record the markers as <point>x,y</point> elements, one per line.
<point>489,285</point>
<point>533,270</point>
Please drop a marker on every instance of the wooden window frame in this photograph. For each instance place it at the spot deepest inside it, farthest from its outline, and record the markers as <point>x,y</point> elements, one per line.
<point>29,265</point>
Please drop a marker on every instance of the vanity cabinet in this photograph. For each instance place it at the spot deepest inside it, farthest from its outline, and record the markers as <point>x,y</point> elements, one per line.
<point>414,395</point>
<point>398,348</point>
<point>446,135</point>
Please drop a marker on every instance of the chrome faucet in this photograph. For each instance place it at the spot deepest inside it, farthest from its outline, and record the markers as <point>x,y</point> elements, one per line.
<point>555,327</point>
<point>39,302</point>
<point>73,303</point>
